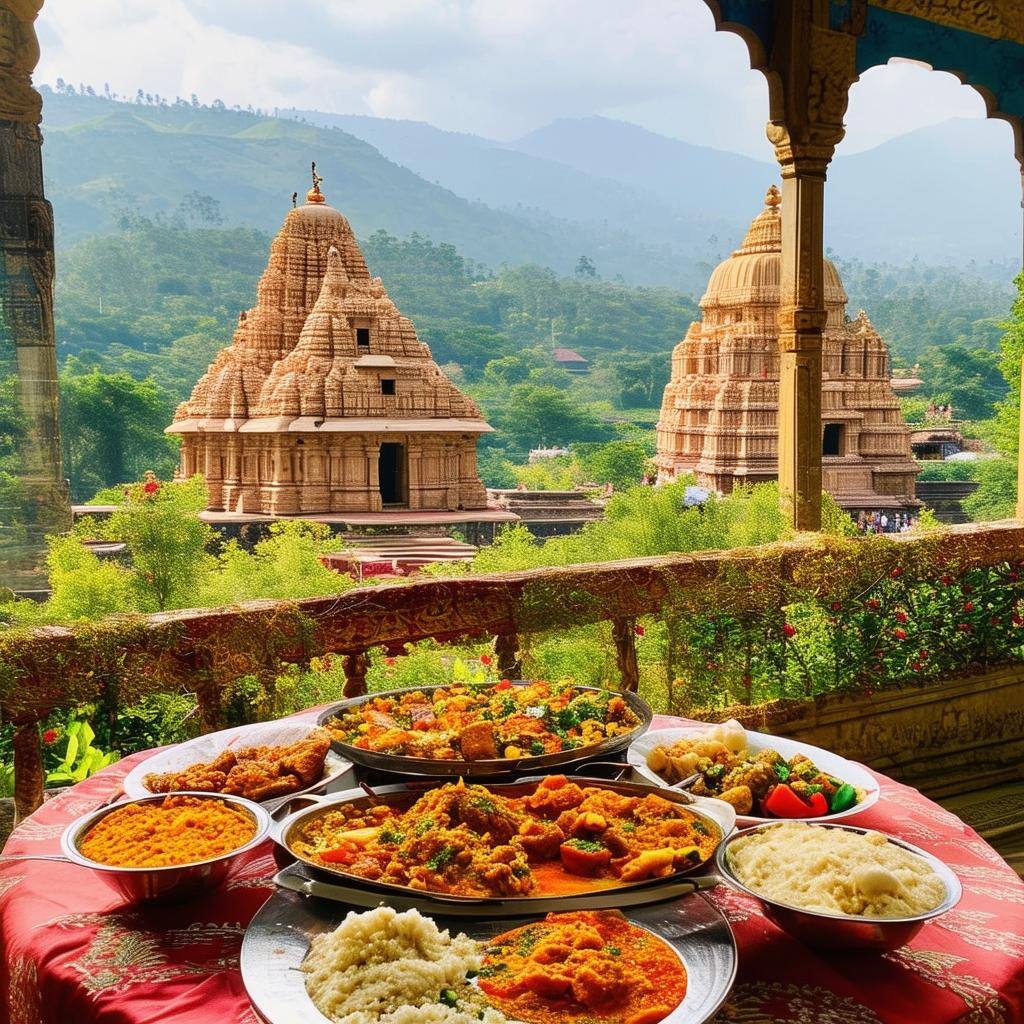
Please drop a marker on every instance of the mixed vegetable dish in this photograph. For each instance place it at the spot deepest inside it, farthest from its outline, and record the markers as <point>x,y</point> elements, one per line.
<point>761,783</point>
<point>466,722</point>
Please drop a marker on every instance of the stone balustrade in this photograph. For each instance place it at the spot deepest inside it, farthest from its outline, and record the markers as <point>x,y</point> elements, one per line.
<point>53,668</point>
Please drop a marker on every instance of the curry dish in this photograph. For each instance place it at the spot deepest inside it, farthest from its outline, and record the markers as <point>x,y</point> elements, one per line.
<point>589,966</point>
<point>556,838</point>
<point>476,723</point>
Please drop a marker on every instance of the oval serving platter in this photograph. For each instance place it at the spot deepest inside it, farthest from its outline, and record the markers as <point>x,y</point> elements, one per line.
<point>277,940</point>
<point>206,748</point>
<point>400,764</point>
<point>716,814</point>
<point>849,771</point>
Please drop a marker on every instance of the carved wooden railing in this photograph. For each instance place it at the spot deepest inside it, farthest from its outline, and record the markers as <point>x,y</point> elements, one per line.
<point>46,669</point>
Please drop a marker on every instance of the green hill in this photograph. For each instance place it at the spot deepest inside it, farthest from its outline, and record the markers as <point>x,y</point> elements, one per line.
<point>104,159</point>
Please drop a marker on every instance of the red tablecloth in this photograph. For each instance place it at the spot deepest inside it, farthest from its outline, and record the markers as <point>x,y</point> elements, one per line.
<point>73,953</point>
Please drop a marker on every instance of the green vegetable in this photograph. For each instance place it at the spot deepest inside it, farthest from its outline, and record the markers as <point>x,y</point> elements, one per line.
<point>389,834</point>
<point>782,770</point>
<point>491,969</point>
<point>629,826</point>
<point>424,826</point>
<point>586,845</point>
<point>843,798</point>
<point>442,858</point>
<point>613,950</point>
<point>536,747</point>
<point>485,804</point>
<point>448,997</point>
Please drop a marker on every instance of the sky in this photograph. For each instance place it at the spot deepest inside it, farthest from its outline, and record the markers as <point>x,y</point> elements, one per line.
<point>488,67</point>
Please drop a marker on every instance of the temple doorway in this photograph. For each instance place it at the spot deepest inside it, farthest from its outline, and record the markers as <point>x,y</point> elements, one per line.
<point>391,468</point>
<point>832,440</point>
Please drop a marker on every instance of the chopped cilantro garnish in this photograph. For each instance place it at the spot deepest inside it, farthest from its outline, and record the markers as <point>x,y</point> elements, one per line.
<point>613,950</point>
<point>586,845</point>
<point>424,826</point>
<point>442,858</point>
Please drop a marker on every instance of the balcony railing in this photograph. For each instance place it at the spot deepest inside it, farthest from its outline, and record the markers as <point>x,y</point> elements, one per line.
<point>47,669</point>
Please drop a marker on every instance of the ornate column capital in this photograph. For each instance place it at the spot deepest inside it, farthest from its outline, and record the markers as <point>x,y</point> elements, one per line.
<point>19,54</point>
<point>815,76</point>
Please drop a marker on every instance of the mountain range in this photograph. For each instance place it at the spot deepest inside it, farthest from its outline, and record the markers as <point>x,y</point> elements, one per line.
<point>641,206</point>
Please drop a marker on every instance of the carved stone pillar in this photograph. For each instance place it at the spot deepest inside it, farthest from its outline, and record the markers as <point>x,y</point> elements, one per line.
<point>37,503</point>
<point>812,70</point>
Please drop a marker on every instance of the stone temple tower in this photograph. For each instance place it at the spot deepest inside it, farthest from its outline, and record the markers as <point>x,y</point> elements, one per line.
<point>326,402</point>
<point>719,411</point>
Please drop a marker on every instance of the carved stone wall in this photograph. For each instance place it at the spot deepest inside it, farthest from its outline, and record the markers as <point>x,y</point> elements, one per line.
<point>719,416</point>
<point>34,501</point>
<point>326,401</point>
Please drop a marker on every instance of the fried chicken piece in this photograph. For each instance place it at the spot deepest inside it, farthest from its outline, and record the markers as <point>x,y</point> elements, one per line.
<point>306,758</point>
<point>259,780</point>
<point>540,840</point>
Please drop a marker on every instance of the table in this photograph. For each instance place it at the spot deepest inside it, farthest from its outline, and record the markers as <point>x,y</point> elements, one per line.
<point>73,952</point>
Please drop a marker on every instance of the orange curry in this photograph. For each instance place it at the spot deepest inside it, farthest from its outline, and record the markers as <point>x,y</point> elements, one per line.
<point>591,966</point>
<point>554,837</point>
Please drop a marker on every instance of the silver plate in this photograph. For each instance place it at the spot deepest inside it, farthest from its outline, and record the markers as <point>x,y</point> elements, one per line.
<point>401,764</point>
<point>278,938</point>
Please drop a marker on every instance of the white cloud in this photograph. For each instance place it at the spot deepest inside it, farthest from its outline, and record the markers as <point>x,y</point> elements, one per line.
<point>487,66</point>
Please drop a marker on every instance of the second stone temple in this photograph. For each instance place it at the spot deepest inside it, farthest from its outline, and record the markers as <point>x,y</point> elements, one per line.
<point>719,414</point>
<point>326,401</point>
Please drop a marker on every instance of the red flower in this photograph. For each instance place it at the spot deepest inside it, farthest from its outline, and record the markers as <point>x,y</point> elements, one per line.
<point>994,621</point>
<point>901,616</point>
<point>922,654</point>
<point>1017,620</point>
<point>964,627</point>
<point>896,573</point>
<point>917,666</point>
<point>639,630</point>
<point>151,487</point>
<point>51,736</point>
<point>968,606</point>
<point>788,629</point>
<point>836,605</point>
<point>874,604</point>
<point>1014,576</point>
<point>946,581</point>
<point>900,634</point>
<point>389,662</point>
<point>485,659</point>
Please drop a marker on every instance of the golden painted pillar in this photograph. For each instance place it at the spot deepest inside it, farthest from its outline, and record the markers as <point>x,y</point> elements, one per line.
<point>812,68</point>
<point>33,492</point>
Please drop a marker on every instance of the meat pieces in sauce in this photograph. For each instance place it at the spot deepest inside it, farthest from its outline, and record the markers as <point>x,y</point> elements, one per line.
<point>474,841</point>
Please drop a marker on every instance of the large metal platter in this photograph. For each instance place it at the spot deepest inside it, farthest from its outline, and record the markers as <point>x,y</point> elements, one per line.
<point>402,765</point>
<point>278,938</point>
<point>716,814</point>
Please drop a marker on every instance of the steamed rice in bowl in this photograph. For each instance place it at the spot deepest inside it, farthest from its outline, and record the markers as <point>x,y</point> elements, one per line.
<point>835,871</point>
<point>382,967</point>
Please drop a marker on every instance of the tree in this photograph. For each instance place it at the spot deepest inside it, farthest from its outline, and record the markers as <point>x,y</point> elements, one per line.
<point>166,539</point>
<point>968,378</point>
<point>111,428</point>
<point>620,463</point>
<point>585,267</point>
<point>547,415</point>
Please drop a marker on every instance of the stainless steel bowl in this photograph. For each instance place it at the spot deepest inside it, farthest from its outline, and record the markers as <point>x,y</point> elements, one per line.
<point>175,882</point>
<point>843,931</point>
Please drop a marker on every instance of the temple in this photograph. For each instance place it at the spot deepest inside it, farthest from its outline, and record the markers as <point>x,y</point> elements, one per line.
<point>326,401</point>
<point>719,414</point>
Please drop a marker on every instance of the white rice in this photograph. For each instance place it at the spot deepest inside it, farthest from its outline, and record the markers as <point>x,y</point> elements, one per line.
<point>382,967</point>
<point>835,871</point>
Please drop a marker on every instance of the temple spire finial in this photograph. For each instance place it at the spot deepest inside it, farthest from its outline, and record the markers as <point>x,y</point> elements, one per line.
<point>314,195</point>
<point>774,197</point>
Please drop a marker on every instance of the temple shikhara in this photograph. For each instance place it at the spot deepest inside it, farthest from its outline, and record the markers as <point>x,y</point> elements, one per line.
<point>720,409</point>
<point>326,401</point>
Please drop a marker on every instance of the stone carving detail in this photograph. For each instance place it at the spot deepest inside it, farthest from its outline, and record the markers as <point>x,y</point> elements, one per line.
<point>996,19</point>
<point>326,401</point>
<point>719,414</point>
<point>19,54</point>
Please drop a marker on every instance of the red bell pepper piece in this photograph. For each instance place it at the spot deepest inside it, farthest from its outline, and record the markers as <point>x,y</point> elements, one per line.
<point>784,802</point>
<point>342,855</point>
